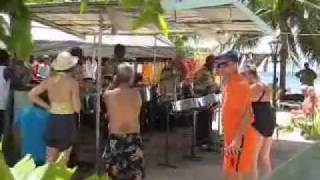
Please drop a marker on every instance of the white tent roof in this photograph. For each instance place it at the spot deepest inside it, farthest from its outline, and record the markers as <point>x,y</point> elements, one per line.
<point>42,32</point>
<point>51,41</point>
<point>188,16</point>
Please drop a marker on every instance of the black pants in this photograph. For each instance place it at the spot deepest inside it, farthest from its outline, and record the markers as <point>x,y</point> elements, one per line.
<point>2,122</point>
<point>163,111</point>
<point>204,121</point>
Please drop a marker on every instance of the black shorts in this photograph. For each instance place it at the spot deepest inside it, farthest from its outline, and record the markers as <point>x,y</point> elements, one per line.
<point>61,131</point>
<point>264,118</point>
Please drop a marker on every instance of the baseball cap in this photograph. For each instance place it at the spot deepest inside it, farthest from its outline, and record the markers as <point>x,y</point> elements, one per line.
<point>230,56</point>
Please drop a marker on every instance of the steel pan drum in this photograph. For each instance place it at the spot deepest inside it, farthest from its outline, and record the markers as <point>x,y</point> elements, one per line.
<point>207,101</point>
<point>145,93</point>
<point>185,105</point>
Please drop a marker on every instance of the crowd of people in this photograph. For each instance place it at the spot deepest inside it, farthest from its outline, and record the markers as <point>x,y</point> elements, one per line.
<point>247,114</point>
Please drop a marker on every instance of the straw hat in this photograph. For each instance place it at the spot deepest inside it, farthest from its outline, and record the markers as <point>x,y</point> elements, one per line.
<point>64,61</point>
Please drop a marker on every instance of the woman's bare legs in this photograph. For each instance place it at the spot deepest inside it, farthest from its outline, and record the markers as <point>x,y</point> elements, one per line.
<point>66,155</point>
<point>52,154</point>
<point>264,156</point>
<point>259,140</point>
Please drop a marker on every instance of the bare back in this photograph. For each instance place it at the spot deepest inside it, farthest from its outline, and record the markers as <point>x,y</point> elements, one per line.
<point>64,90</point>
<point>260,92</point>
<point>123,107</point>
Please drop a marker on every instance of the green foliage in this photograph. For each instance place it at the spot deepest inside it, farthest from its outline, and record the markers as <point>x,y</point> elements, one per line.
<point>17,37</point>
<point>39,1</point>
<point>286,129</point>
<point>180,42</point>
<point>26,169</point>
<point>278,12</point>
<point>132,3</point>
<point>4,169</point>
<point>23,168</point>
<point>311,127</point>
<point>150,12</point>
<point>83,6</point>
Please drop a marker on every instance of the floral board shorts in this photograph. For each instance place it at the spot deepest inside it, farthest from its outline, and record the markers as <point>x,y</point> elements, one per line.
<point>123,157</point>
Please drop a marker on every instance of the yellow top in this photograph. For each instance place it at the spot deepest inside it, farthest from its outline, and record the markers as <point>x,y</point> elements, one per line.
<point>61,108</point>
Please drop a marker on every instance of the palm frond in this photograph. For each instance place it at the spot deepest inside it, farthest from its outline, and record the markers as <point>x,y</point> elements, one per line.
<point>277,13</point>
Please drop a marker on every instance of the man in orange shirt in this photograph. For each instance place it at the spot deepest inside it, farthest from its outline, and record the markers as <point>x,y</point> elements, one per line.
<point>239,135</point>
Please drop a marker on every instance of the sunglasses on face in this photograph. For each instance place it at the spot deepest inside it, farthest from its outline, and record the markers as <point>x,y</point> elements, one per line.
<point>222,65</point>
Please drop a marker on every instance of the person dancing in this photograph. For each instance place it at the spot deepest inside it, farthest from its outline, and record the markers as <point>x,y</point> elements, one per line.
<point>264,119</point>
<point>64,98</point>
<point>239,135</point>
<point>123,153</point>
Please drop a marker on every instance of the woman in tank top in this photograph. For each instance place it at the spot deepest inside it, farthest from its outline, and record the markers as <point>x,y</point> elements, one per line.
<point>63,92</point>
<point>264,118</point>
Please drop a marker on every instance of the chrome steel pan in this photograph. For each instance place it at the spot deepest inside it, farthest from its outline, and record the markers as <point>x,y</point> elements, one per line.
<point>207,101</point>
<point>185,105</point>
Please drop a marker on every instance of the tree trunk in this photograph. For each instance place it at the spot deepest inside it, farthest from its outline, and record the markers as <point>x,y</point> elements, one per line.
<point>283,63</point>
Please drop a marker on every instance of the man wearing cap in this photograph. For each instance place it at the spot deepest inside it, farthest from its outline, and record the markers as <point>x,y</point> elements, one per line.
<point>239,135</point>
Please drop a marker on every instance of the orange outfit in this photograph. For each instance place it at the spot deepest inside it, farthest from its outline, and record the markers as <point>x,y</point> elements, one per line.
<point>237,97</point>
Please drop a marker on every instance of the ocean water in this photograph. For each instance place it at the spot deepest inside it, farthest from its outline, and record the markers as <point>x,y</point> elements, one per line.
<point>292,82</point>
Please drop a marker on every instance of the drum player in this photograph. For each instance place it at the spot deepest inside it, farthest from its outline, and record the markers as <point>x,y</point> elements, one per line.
<point>167,86</point>
<point>204,84</point>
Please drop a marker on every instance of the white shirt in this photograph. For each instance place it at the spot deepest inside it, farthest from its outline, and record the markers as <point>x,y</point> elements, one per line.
<point>90,69</point>
<point>4,89</point>
<point>43,71</point>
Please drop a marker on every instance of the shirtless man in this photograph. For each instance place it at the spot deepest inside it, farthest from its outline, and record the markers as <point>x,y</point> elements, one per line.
<point>123,105</point>
<point>167,89</point>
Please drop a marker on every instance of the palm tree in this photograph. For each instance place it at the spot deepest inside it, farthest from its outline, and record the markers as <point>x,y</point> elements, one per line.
<point>298,22</point>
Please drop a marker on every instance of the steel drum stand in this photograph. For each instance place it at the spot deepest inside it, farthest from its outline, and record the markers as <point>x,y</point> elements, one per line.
<point>166,162</point>
<point>193,156</point>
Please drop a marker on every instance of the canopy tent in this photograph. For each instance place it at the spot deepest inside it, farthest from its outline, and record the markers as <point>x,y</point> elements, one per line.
<point>203,17</point>
<point>51,41</point>
<point>43,47</point>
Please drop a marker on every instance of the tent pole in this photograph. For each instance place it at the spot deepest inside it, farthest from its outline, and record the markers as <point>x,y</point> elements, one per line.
<point>98,107</point>
<point>155,49</point>
<point>94,55</point>
<point>154,56</point>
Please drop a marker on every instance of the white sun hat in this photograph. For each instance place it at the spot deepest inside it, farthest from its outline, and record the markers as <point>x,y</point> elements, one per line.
<point>64,61</point>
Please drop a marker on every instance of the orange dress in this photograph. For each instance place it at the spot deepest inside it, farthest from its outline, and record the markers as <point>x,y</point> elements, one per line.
<point>236,98</point>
